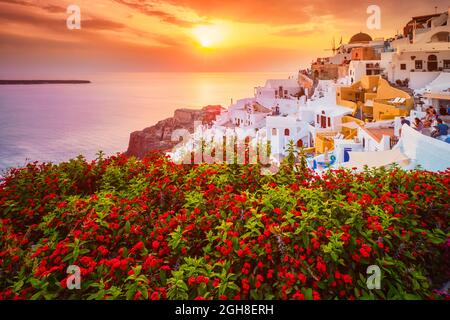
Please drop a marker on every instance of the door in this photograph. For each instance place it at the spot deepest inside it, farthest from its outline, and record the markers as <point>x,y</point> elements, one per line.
<point>432,63</point>
<point>323,122</point>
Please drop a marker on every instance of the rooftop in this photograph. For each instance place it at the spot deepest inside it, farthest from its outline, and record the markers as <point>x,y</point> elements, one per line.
<point>378,133</point>
<point>360,38</point>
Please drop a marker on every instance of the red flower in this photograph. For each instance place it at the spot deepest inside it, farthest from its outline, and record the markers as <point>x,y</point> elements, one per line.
<point>155,245</point>
<point>154,296</point>
<point>347,279</point>
<point>302,277</point>
<point>298,296</point>
<point>138,246</point>
<point>277,211</point>
<point>345,237</point>
<point>137,296</point>
<point>316,295</point>
<point>62,205</point>
<point>103,251</point>
<point>365,251</point>
<point>321,267</point>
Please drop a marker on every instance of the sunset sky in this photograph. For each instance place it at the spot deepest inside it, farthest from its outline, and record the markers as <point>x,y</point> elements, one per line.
<point>186,35</point>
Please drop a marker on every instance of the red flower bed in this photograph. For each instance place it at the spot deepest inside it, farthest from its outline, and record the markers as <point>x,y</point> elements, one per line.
<point>152,229</point>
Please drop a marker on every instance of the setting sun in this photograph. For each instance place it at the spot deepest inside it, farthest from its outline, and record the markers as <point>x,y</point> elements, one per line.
<point>209,35</point>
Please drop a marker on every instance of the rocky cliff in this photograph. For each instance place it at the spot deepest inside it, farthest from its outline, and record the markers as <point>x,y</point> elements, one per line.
<point>158,137</point>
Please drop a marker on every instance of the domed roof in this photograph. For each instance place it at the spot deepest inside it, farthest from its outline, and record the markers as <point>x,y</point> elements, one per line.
<point>360,37</point>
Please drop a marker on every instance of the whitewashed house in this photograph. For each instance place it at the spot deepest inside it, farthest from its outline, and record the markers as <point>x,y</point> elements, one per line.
<point>278,89</point>
<point>423,52</point>
<point>280,130</point>
<point>377,136</point>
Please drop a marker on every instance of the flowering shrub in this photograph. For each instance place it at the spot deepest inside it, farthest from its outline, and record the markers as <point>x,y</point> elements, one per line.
<point>151,229</point>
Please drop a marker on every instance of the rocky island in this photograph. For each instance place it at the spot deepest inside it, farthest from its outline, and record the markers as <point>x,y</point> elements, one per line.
<point>158,137</point>
<point>30,82</point>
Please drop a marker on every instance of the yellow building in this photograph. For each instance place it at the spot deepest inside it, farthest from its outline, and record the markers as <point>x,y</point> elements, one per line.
<point>348,130</point>
<point>374,98</point>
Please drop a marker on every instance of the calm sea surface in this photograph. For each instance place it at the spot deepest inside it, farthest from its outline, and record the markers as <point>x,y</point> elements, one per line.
<point>58,122</point>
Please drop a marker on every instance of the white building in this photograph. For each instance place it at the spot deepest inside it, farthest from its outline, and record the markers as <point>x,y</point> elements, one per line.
<point>377,136</point>
<point>278,89</point>
<point>283,129</point>
<point>422,55</point>
<point>359,68</point>
<point>437,93</point>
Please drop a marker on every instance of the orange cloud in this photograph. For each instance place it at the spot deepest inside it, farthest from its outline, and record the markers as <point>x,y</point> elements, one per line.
<point>149,35</point>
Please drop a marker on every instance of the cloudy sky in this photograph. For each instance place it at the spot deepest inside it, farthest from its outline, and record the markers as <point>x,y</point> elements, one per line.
<point>186,35</point>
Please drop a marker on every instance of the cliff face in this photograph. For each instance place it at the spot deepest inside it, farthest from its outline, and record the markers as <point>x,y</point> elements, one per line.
<point>158,137</point>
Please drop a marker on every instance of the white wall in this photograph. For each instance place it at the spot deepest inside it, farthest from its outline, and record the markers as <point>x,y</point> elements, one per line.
<point>432,154</point>
<point>419,80</point>
<point>340,145</point>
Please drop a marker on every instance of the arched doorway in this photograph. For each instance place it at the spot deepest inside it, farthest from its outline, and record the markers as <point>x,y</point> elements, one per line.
<point>441,37</point>
<point>300,143</point>
<point>432,62</point>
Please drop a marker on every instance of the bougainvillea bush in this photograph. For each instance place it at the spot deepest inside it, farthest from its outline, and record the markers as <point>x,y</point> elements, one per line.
<point>152,229</point>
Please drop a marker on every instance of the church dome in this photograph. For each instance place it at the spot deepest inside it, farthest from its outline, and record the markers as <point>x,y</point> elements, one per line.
<point>360,38</point>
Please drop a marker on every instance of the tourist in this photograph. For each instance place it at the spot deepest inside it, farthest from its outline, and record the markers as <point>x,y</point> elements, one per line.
<point>441,129</point>
<point>418,125</point>
<point>430,117</point>
<point>403,121</point>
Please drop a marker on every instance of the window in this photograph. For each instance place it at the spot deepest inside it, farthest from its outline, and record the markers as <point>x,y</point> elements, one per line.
<point>329,121</point>
<point>318,118</point>
<point>403,66</point>
<point>274,131</point>
<point>446,64</point>
<point>286,132</point>
<point>285,92</point>
<point>419,64</point>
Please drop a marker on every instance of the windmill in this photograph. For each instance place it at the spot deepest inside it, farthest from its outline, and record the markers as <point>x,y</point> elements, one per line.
<point>333,44</point>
